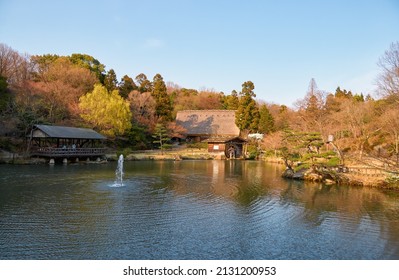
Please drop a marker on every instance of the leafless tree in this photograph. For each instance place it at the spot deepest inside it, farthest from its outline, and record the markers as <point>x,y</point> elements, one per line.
<point>390,124</point>
<point>388,81</point>
<point>142,106</point>
<point>13,66</point>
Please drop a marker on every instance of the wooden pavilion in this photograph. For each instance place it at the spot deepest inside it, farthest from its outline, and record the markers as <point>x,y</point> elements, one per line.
<point>65,142</point>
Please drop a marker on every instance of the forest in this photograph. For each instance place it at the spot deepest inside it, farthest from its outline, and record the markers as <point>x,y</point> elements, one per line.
<point>77,90</point>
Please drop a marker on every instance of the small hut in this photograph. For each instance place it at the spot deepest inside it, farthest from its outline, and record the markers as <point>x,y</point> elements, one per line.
<point>65,142</point>
<point>215,127</point>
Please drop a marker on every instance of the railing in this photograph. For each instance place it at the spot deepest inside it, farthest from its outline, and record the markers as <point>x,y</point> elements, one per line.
<point>360,170</point>
<point>67,152</point>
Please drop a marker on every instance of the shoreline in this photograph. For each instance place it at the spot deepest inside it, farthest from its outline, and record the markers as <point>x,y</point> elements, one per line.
<point>308,174</point>
<point>330,177</point>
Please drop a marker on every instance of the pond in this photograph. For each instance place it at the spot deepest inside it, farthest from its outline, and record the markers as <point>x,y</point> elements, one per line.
<point>189,210</point>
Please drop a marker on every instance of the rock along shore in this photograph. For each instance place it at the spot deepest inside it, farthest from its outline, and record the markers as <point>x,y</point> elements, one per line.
<point>331,177</point>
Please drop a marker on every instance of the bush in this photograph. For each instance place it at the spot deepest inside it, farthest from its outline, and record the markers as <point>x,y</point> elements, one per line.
<point>252,152</point>
<point>125,152</point>
<point>198,145</point>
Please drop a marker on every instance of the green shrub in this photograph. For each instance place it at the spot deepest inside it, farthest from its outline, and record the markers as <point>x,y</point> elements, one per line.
<point>198,145</point>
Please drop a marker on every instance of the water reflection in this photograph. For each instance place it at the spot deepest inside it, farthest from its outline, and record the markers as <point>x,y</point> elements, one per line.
<point>190,210</point>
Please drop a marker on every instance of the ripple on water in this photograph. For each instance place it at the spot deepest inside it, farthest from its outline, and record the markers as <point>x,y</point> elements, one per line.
<point>204,212</point>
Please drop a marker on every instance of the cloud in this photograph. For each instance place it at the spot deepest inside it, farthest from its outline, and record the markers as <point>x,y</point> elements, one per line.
<point>153,43</point>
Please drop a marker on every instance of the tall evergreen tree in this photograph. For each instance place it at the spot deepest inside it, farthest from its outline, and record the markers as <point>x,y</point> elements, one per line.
<point>126,86</point>
<point>230,102</point>
<point>163,104</point>
<point>247,115</point>
<point>266,120</point>
<point>110,80</point>
<point>5,97</point>
<point>143,83</point>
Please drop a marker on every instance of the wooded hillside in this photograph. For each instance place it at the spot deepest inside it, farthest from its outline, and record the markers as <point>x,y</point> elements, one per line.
<point>77,90</point>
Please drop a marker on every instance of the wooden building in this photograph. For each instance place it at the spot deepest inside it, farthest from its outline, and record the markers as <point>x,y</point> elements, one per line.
<point>215,127</point>
<point>65,142</point>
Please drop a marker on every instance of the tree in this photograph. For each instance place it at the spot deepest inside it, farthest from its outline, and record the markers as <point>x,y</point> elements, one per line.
<point>231,101</point>
<point>142,106</point>
<point>143,83</point>
<point>357,120</point>
<point>89,62</point>
<point>312,109</point>
<point>60,84</point>
<point>126,86</point>
<point>390,125</point>
<point>161,136</point>
<point>4,94</point>
<point>110,80</point>
<point>266,120</point>
<point>300,146</point>
<point>13,66</point>
<point>388,81</point>
<point>163,105</point>
<point>247,116</point>
<point>105,111</point>
<point>207,100</point>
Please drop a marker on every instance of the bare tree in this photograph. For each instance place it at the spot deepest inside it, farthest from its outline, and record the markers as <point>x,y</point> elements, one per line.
<point>390,125</point>
<point>13,66</point>
<point>142,106</point>
<point>311,109</point>
<point>388,81</point>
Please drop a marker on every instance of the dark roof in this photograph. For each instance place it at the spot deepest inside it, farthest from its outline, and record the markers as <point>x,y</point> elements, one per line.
<point>208,122</point>
<point>53,131</point>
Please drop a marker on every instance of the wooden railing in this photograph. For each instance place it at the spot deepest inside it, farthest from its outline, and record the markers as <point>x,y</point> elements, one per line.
<point>67,152</point>
<point>360,170</point>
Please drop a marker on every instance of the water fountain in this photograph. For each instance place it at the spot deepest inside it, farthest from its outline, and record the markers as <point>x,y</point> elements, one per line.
<point>119,173</point>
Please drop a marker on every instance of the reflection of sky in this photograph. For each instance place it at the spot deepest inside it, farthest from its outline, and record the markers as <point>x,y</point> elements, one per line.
<point>190,209</point>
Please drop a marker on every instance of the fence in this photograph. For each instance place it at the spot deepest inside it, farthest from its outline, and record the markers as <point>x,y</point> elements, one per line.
<point>359,170</point>
<point>67,152</point>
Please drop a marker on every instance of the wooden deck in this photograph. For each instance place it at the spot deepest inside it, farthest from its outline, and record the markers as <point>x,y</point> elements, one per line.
<point>67,152</point>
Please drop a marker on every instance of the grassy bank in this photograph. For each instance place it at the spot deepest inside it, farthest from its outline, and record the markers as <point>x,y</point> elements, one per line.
<point>174,154</point>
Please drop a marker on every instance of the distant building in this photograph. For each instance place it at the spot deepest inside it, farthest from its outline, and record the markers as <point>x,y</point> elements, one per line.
<point>215,127</point>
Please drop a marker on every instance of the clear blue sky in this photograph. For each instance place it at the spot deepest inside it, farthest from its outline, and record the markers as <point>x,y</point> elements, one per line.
<point>278,45</point>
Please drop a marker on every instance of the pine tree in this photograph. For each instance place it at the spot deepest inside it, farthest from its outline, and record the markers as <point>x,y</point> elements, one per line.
<point>161,136</point>
<point>126,86</point>
<point>266,120</point>
<point>230,102</point>
<point>110,80</point>
<point>144,85</point>
<point>163,104</point>
<point>247,115</point>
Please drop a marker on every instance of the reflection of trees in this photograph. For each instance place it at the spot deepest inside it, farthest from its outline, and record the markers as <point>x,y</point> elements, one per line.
<point>350,206</point>
<point>240,181</point>
<point>246,183</point>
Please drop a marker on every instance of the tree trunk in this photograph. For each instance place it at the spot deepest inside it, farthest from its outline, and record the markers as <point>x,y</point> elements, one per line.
<point>339,153</point>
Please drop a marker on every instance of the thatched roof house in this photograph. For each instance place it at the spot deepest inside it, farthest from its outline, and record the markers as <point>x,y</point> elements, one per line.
<point>216,127</point>
<point>207,123</point>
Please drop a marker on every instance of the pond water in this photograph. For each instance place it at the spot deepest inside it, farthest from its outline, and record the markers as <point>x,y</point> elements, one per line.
<point>189,210</point>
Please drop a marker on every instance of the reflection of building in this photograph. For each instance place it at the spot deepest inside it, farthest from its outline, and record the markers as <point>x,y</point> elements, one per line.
<point>215,127</point>
<point>65,142</point>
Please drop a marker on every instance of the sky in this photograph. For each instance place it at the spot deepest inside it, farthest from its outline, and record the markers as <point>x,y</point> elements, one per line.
<point>216,44</point>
